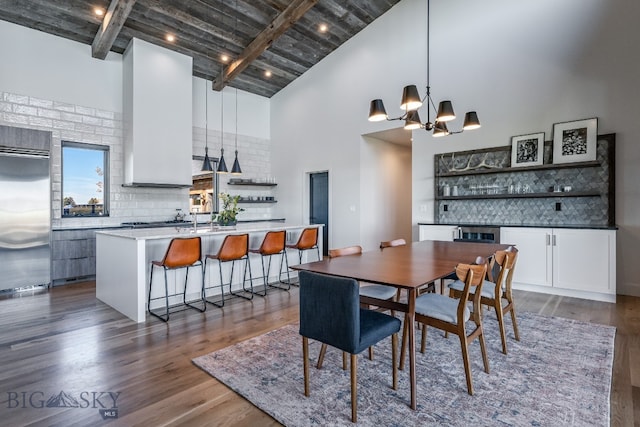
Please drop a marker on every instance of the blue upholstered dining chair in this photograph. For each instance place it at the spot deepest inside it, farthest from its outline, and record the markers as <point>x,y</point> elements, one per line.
<point>330,313</point>
<point>371,290</point>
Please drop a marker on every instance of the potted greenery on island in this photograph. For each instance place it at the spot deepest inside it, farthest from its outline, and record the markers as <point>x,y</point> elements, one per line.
<point>229,211</point>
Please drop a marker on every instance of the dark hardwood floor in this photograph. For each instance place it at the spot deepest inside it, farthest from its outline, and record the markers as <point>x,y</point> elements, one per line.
<point>64,340</point>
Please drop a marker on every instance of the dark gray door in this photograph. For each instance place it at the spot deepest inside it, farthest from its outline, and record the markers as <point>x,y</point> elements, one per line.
<point>319,205</point>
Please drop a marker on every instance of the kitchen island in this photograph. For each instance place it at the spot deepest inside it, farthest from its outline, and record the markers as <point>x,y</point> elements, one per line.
<point>123,259</point>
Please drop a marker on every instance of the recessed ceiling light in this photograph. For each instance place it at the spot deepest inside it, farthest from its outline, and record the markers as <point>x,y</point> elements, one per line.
<point>267,73</point>
<point>224,58</point>
<point>98,11</point>
<point>323,28</point>
<point>170,37</point>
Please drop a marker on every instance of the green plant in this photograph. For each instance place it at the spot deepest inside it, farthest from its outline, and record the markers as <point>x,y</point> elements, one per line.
<point>229,209</point>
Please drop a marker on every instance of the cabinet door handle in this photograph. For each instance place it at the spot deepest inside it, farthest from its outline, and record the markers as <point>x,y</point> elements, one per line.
<point>548,239</point>
<point>554,240</point>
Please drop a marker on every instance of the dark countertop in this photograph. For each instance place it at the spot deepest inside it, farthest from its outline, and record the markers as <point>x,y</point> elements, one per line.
<point>156,224</point>
<point>573,226</point>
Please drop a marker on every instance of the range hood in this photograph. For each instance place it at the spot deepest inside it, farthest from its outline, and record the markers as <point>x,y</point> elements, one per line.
<point>157,112</point>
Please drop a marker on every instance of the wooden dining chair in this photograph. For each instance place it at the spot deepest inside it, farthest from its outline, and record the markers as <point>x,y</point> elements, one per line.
<point>494,292</point>
<point>451,315</point>
<point>330,313</point>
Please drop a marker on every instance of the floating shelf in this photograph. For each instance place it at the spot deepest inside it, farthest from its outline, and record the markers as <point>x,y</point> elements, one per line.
<point>257,201</point>
<point>255,184</point>
<point>593,163</point>
<point>522,195</point>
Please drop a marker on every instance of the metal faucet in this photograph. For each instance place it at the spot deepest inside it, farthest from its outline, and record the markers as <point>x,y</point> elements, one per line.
<point>195,221</point>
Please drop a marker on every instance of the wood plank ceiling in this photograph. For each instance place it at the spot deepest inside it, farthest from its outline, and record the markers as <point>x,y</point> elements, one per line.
<point>282,37</point>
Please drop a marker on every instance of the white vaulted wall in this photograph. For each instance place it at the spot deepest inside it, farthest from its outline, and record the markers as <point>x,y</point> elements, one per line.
<point>522,65</point>
<point>52,84</point>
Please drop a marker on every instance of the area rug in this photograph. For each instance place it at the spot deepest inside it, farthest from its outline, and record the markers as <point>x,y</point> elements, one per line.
<point>559,374</point>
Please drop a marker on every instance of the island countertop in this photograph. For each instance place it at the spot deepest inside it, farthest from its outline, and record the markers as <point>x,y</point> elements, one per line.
<point>202,230</point>
<point>123,259</point>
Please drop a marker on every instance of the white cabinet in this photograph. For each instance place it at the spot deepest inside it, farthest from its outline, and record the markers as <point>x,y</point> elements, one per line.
<point>572,262</point>
<point>439,232</point>
<point>534,264</point>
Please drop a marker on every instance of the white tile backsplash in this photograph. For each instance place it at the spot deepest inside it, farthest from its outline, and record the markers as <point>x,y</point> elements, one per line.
<point>89,125</point>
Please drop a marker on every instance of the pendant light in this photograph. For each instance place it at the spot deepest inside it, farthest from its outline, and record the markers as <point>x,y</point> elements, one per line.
<point>206,164</point>
<point>222,166</point>
<point>411,102</point>
<point>235,170</point>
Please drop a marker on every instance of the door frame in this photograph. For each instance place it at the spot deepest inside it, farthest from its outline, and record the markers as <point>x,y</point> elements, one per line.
<point>306,199</point>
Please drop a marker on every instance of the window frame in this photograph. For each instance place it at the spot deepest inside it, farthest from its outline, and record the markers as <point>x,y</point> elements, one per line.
<point>106,150</point>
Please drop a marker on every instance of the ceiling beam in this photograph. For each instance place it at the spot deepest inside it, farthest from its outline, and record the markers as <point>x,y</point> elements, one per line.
<point>280,24</point>
<point>111,24</point>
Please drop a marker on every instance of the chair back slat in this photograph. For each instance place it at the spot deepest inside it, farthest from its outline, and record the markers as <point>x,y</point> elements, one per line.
<point>392,243</point>
<point>330,310</point>
<point>234,246</point>
<point>471,275</point>
<point>182,252</point>
<point>349,250</point>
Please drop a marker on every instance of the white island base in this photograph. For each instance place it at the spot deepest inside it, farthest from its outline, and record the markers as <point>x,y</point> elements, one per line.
<point>123,263</point>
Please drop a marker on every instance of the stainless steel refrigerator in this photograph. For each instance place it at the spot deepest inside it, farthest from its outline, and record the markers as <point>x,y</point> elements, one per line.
<point>25,220</point>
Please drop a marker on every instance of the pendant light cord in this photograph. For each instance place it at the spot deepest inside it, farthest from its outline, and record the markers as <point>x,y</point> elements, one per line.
<point>206,118</point>
<point>428,95</point>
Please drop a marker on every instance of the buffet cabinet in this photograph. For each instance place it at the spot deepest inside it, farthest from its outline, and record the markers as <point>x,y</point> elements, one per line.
<point>564,261</point>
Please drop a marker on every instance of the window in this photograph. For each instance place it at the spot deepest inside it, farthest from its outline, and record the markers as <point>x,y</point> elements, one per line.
<point>85,182</point>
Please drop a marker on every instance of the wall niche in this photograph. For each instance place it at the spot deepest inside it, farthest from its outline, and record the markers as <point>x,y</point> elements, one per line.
<point>481,187</point>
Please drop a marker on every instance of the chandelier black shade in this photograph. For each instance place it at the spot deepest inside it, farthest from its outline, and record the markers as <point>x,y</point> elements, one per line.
<point>377,113</point>
<point>410,98</point>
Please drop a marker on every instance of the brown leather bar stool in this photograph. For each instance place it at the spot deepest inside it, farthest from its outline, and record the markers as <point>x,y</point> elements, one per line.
<point>181,253</point>
<point>273,244</point>
<point>307,240</point>
<point>235,247</point>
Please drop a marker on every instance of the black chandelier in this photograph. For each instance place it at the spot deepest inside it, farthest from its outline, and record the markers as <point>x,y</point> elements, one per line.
<point>411,102</point>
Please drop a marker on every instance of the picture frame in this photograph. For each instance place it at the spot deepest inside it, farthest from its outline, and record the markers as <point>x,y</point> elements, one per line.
<point>527,150</point>
<point>575,141</point>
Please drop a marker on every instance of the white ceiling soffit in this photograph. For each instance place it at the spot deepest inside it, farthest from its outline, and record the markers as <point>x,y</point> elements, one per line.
<point>399,136</point>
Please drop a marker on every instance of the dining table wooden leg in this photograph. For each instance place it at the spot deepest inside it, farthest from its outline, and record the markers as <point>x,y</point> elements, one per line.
<point>411,320</point>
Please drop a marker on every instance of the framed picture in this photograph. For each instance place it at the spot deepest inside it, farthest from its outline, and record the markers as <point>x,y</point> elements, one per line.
<point>527,150</point>
<point>575,141</point>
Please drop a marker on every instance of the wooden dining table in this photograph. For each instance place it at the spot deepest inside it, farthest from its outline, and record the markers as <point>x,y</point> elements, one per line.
<point>409,267</point>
